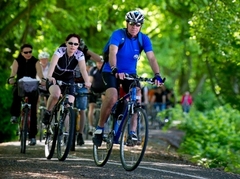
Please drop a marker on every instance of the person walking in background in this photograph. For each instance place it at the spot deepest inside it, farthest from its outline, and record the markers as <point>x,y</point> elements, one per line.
<point>44,62</point>
<point>82,100</point>
<point>123,58</point>
<point>186,102</point>
<point>25,65</point>
<point>97,88</point>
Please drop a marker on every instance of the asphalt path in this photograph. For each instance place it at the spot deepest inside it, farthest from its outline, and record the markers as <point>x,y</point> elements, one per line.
<point>80,164</point>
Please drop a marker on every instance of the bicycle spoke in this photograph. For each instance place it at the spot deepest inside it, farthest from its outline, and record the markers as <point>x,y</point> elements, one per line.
<point>51,137</point>
<point>101,154</point>
<point>65,133</point>
<point>132,151</point>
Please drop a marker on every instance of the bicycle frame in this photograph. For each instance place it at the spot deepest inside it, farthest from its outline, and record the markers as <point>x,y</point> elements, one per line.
<point>131,134</point>
<point>24,123</point>
<point>117,133</point>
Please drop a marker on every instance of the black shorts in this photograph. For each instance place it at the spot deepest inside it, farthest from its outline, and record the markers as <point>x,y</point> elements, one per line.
<point>112,82</point>
<point>71,89</point>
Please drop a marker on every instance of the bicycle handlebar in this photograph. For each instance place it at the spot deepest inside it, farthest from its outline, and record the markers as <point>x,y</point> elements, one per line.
<point>60,83</point>
<point>130,77</point>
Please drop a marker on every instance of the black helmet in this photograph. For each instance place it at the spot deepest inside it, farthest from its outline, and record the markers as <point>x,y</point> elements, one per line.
<point>134,16</point>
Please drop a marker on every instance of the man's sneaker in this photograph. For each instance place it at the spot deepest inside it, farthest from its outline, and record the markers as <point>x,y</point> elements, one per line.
<point>14,120</point>
<point>32,141</point>
<point>132,139</point>
<point>98,137</point>
<point>46,117</point>
<point>80,140</point>
<point>91,130</point>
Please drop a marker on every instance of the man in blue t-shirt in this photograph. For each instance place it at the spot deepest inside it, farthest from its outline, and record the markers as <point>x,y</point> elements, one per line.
<point>124,52</point>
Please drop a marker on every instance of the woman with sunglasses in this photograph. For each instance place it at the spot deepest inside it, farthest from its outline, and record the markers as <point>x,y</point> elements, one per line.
<point>123,53</point>
<point>25,65</point>
<point>65,59</point>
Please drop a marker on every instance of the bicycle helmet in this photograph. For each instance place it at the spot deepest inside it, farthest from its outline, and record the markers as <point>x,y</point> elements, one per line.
<point>43,55</point>
<point>134,16</point>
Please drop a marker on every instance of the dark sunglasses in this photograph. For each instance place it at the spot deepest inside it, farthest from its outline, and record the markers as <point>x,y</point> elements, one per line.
<point>134,23</point>
<point>71,43</point>
<point>27,52</point>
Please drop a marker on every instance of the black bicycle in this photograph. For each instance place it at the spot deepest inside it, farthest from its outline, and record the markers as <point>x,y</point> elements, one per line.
<point>43,95</point>
<point>131,151</point>
<point>62,126</point>
<point>25,87</point>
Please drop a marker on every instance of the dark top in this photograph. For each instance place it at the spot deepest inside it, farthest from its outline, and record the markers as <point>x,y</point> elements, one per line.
<point>26,67</point>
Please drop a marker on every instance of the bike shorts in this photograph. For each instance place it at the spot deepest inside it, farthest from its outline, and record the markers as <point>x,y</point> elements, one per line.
<point>93,97</point>
<point>112,82</point>
<point>81,100</point>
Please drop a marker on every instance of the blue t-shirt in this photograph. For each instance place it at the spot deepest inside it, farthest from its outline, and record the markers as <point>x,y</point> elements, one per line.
<point>129,53</point>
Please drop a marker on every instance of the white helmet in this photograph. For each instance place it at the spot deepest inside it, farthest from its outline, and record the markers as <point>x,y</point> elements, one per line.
<point>134,16</point>
<point>43,55</point>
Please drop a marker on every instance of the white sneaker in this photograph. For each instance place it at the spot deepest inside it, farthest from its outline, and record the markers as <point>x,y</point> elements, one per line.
<point>14,120</point>
<point>91,130</point>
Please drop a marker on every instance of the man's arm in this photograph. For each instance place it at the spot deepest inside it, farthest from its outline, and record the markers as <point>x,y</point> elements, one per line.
<point>95,57</point>
<point>153,62</point>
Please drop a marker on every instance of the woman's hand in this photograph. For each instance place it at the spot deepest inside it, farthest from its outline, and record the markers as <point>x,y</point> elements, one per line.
<point>51,79</point>
<point>88,85</point>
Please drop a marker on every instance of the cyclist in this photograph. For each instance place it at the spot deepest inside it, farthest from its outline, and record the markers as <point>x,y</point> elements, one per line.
<point>44,62</point>
<point>97,88</point>
<point>25,65</point>
<point>63,63</point>
<point>82,100</point>
<point>123,61</point>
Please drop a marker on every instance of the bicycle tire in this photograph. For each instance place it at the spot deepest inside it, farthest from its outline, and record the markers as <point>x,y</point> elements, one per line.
<point>65,133</point>
<point>24,130</point>
<point>51,135</point>
<point>73,146</point>
<point>131,154</point>
<point>96,116</point>
<point>40,125</point>
<point>101,154</point>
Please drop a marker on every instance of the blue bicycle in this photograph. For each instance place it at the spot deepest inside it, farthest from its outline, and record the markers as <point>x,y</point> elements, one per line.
<point>131,151</point>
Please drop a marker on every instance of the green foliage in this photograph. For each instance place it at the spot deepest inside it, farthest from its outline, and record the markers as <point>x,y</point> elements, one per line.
<point>212,138</point>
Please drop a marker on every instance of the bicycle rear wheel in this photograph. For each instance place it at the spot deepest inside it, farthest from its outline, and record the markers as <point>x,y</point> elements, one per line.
<point>132,152</point>
<point>24,130</point>
<point>65,133</point>
<point>51,136</point>
<point>101,154</point>
<point>40,124</point>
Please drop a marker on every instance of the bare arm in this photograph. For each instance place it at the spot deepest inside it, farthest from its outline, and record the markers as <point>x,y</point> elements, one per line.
<point>14,68</point>
<point>83,70</point>
<point>113,49</point>
<point>153,62</point>
<point>52,65</point>
<point>95,57</point>
<point>39,70</point>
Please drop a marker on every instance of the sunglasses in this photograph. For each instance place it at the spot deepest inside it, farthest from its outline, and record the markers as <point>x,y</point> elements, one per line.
<point>27,52</point>
<point>134,23</point>
<point>71,43</point>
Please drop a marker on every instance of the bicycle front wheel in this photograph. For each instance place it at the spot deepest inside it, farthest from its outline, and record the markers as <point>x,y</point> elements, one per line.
<point>40,124</point>
<point>65,133</point>
<point>51,136</point>
<point>24,130</point>
<point>132,151</point>
<point>102,153</point>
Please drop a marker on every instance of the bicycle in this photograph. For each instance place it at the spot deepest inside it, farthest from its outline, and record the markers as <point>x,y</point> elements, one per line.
<point>25,87</point>
<point>131,152</point>
<point>62,125</point>
<point>43,95</point>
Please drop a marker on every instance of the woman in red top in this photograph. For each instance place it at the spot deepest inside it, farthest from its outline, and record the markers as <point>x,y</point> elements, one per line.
<point>186,102</point>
